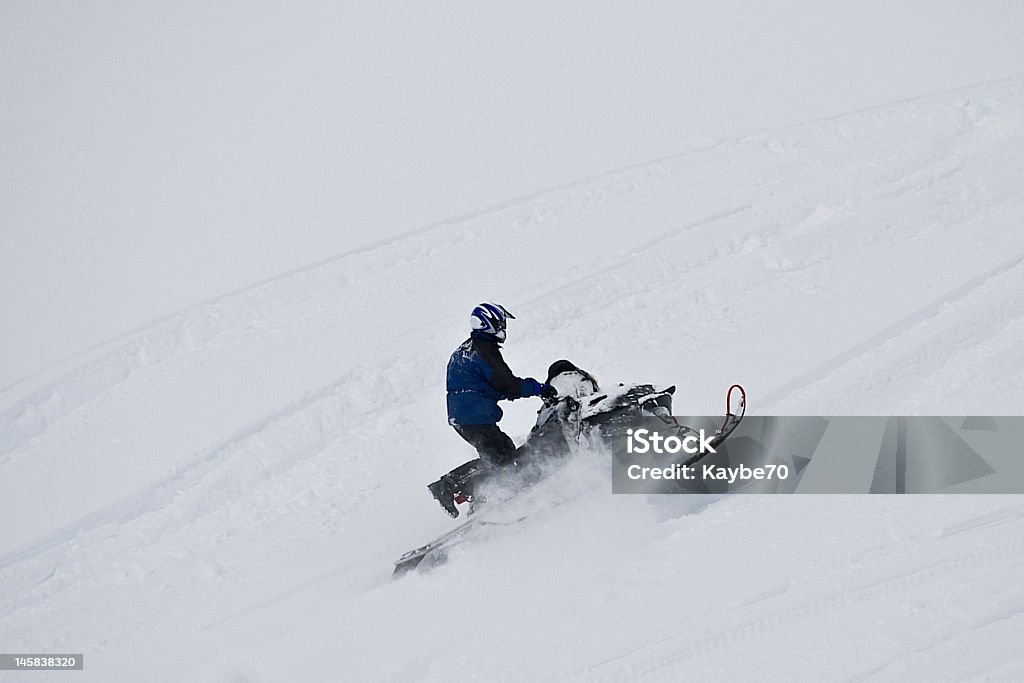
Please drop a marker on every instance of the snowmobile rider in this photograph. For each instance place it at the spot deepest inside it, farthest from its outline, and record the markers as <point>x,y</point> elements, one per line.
<point>477,379</point>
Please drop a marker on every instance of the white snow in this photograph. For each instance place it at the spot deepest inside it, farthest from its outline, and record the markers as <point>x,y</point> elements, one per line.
<point>218,495</point>
<point>156,155</point>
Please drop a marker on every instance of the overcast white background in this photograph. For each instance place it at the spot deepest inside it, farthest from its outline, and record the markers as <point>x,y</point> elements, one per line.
<point>153,155</point>
<point>238,478</point>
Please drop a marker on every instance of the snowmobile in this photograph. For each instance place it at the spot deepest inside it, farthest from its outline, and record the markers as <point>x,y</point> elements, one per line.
<point>581,413</point>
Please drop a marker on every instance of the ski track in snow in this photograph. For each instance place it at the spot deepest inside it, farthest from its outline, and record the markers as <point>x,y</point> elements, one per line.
<point>267,450</point>
<point>981,326</point>
<point>676,651</point>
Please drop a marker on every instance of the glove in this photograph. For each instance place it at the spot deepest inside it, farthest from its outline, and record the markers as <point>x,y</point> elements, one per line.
<point>547,391</point>
<point>532,387</point>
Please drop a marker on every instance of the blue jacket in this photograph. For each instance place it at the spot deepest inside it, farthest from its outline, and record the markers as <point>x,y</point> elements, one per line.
<point>478,378</point>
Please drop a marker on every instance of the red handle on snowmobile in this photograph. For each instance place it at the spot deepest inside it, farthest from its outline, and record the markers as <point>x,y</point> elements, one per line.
<point>742,408</point>
<point>728,400</point>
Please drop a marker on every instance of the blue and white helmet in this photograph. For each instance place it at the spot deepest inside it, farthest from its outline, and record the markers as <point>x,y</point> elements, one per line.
<point>490,319</point>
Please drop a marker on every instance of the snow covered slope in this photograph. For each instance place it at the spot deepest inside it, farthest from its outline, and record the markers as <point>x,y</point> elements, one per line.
<point>218,495</point>
<point>157,154</point>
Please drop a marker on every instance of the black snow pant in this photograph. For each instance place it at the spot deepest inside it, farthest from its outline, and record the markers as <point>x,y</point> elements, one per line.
<point>493,445</point>
<point>496,451</point>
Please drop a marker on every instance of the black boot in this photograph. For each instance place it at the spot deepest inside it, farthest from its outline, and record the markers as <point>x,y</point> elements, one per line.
<point>443,491</point>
